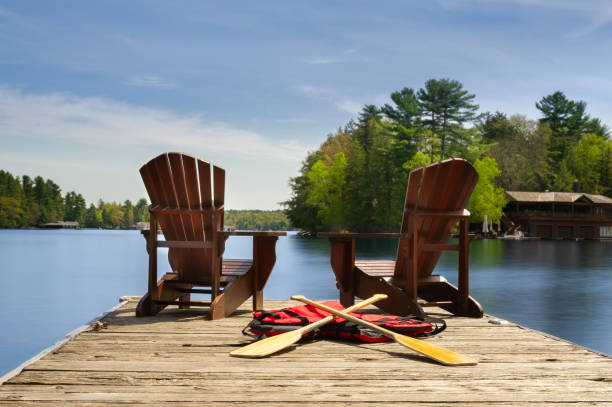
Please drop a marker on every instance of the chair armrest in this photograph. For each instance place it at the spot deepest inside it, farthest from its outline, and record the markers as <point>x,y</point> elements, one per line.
<point>350,235</point>
<point>226,233</point>
<point>254,233</point>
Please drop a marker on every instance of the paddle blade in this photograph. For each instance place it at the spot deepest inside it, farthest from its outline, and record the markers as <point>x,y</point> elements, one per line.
<point>435,352</point>
<point>268,346</point>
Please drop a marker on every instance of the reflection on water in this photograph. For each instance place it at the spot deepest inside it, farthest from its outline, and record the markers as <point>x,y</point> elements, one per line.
<point>54,281</point>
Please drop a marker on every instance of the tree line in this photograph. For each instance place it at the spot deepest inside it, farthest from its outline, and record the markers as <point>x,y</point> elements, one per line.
<point>27,202</point>
<point>356,180</point>
<point>256,220</point>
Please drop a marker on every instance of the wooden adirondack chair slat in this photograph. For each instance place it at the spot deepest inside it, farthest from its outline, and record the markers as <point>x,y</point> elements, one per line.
<point>193,194</point>
<point>219,183</point>
<point>442,198</point>
<point>460,183</point>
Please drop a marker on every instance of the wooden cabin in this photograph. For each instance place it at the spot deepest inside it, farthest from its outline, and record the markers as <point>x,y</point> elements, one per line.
<point>560,215</point>
<point>61,224</point>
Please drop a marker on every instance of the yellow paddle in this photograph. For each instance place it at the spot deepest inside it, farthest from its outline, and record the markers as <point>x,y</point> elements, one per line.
<point>437,353</point>
<point>276,343</point>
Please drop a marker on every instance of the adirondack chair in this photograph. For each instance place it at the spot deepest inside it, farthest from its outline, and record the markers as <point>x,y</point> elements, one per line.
<point>435,201</point>
<point>188,207</point>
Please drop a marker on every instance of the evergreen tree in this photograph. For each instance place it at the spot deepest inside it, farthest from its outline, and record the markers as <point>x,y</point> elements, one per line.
<point>567,121</point>
<point>141,211</point>
<point>406,112</point>
<point>445,107</point>
<point>92,217</point>
<point>127,220</point>
<point>495,127</point>
<point>75,207</point>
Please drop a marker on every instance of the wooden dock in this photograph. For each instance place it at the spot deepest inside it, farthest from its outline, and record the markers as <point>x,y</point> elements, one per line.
<point>180,359</point>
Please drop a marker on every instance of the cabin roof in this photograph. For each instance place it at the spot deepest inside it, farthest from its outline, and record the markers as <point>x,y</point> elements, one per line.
<point>561,197</point>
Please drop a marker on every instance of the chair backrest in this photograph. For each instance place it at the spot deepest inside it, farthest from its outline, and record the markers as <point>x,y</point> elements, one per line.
<point>443,186</point>
<point>178,180</point>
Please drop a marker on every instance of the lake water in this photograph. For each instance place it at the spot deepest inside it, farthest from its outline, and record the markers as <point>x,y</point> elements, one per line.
<point>54,281</point>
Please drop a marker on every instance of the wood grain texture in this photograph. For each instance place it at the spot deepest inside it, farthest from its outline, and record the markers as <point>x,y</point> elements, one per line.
<point>178,358</point>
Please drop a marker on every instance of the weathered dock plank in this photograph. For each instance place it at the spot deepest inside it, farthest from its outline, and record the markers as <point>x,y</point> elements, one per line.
<point>178,358</point>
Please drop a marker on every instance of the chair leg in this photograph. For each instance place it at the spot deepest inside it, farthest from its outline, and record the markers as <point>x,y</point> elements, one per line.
<point>185,298</point>
<point>258,298</point>
<point>342,263</point>
<point>233,296</point>
<point>444,291</point>
<point>398,302</point>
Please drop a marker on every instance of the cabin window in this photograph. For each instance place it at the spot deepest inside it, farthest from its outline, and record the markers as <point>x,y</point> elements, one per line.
<point>605,231</point>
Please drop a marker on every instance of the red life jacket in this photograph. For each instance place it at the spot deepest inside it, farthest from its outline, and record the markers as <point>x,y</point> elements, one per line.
<point>269,323</point>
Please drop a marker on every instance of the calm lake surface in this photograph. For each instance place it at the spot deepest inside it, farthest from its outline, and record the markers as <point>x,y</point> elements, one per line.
<point>54,281</point>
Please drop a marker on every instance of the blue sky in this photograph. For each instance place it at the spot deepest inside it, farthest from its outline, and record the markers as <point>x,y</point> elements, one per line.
<point>89,91</point>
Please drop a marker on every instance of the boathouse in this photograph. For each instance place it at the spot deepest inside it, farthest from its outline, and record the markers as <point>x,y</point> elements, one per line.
<point>560,215</point>
<point>60,224</point>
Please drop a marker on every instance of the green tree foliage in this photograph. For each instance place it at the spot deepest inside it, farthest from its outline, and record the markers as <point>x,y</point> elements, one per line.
<point>33,202</point>
<point>256,220</point>
<point>141,212</point>
<point>112,215</point>
<point>406,112</point>
<point>92,217</point>
<point>578,145</point>
<point>11,206</point>
<point>487,199</point>
<point>325,192</point>
<point>568,122</point>
<point>75,207</point>
<point>49,197</point>
<point>520,148</point>
<point>127,219</point>
<point>589,162</point>
<point>446,107</point>
<point>384,144</point>
<point>11,212</point>
<point>566,118</point>
<point>379,150</point>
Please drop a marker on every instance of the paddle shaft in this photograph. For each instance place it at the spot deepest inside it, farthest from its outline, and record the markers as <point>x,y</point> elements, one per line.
<point>342,314</point>
<point>328,319</point>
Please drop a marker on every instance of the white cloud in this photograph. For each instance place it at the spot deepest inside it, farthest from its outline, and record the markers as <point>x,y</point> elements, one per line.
<point>104,122</point>
<point>332,97</point>
<point>150,81</point>
<point>295,120</point>
<point>596,13</point>
<point>350,106</point>
<point>324,61</point>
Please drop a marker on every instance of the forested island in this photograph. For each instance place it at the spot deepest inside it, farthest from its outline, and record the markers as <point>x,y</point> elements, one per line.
<point>357,179</point>
<point>27,202</point>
